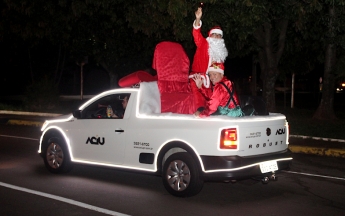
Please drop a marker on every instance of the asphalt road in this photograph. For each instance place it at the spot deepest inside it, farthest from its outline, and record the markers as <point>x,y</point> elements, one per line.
<point>314,186</point>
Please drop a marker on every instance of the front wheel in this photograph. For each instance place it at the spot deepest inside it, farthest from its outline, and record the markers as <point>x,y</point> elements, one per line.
<point>56,157</point>
<point>181,176</point>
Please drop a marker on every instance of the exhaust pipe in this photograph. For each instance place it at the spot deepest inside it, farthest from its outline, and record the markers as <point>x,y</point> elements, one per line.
<point>265,180</point>
<point>273,177</point>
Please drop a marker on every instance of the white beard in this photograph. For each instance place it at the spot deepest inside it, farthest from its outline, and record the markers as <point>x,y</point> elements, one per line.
<point>217,49</point>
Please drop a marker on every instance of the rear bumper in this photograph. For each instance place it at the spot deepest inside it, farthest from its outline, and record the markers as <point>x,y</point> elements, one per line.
<point>237,168</point>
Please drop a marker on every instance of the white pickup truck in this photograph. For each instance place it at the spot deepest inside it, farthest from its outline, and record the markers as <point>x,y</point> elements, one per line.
<point>184,150</point>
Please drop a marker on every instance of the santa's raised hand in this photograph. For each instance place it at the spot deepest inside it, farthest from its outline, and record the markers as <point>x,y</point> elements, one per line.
<point>198,15</point>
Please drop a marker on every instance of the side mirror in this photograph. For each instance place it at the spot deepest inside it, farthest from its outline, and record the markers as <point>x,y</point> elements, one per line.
<point>77,114</point>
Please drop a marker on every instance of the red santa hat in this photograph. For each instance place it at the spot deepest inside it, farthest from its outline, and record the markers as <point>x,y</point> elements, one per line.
<point>215,30</point>
<point>216,67</point>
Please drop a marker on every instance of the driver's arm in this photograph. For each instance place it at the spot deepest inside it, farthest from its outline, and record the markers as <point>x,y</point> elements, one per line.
<point>114,116</point>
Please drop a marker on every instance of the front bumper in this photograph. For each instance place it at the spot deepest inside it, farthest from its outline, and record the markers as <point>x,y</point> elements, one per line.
<point>237,168</point>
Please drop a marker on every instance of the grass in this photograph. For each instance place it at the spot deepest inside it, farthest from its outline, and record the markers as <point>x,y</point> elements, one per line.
<point>63,107</point>
<point>300,117</point>
<point>5,106</point>
<point>301,123</point>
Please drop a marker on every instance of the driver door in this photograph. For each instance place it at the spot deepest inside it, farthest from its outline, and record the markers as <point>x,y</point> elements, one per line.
<point>98,138</point>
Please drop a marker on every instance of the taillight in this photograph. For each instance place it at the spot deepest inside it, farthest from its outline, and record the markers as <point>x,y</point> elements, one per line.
<point>228,139</point>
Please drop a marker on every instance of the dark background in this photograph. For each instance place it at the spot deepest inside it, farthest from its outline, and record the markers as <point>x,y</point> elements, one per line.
<point>16,72</point>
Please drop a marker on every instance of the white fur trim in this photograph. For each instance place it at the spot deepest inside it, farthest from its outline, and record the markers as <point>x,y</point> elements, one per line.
<point>216,31</point>
<point>215,70</point>
<point>197,27</point>
<point>207,82</point>
<point>150,100</point>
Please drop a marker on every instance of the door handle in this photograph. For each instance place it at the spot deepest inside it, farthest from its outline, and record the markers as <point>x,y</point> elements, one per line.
<point>119,131</point>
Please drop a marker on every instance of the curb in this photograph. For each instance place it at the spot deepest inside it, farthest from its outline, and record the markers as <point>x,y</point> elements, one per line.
<point>7,112</point>
<point>27,122</point>
<point>318,138</point>
<point>330,152</point>
<point>24,122</point>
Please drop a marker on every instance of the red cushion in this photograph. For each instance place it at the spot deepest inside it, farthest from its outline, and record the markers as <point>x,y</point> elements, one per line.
<point>172,65</point>
<point>171,62</point>
<point>135,78</point>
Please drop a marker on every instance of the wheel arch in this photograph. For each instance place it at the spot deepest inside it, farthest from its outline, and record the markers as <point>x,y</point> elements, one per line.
<point>52,133</point>
<point>175,147</point>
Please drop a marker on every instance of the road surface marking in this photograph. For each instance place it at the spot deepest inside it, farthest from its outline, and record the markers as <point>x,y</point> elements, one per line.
<point>315,175</point>
<point>62,199</point>
<point>18,137</point>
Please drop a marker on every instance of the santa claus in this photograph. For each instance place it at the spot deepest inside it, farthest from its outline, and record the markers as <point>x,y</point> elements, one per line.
<point>209,50</point>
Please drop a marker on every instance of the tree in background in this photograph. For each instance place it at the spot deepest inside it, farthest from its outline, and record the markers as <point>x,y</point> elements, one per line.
<point>261,27</point>
<point>329,31</point>
<point>37,23</point>
<point>323,33</point>
<point>77,29</point>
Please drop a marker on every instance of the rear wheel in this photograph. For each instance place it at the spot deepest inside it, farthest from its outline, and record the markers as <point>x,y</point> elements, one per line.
<point>56,157</point>
<point>181,176</point>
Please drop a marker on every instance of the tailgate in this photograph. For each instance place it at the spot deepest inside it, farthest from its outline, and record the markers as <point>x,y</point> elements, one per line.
<point>263,137</point>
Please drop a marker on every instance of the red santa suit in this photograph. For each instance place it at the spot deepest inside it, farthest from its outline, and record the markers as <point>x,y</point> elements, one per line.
<point>219,96</point>
<point>201,59</point>
<point>201,62</point>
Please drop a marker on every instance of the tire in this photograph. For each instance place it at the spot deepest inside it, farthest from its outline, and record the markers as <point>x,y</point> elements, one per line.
<point>56,157</point>
<point>181,176</point>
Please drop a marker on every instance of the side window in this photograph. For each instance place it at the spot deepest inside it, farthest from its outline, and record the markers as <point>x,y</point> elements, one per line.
<point>108,107</point>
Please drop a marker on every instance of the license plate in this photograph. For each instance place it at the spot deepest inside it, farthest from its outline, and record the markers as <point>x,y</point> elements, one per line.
<point>268,166</point>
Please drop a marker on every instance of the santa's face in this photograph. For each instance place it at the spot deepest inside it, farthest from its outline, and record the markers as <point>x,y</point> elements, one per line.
<point>215,35</point>
<point>215,77</point>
